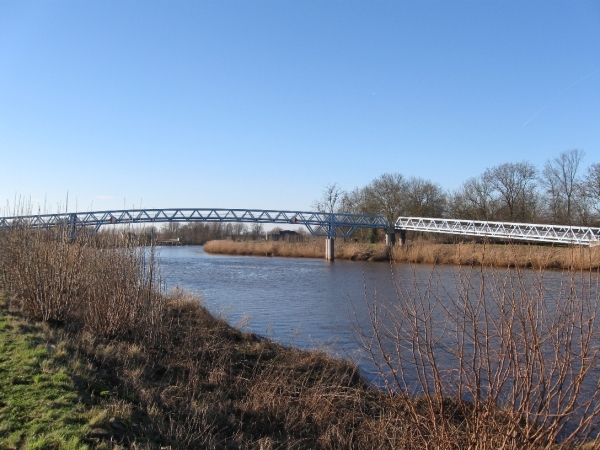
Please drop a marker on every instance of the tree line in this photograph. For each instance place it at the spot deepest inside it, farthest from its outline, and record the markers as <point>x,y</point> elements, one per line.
<point>561,192</point>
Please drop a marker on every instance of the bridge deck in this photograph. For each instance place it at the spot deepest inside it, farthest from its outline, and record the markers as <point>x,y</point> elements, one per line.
<point>506,230</point>
<point>318,223</point>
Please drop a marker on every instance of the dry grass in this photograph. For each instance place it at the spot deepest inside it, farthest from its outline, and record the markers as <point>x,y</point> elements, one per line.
<point>424,252</point>
<point>522,256</point>
<point>523,351</point>
<point>312,249</point>
<point>177,377</point>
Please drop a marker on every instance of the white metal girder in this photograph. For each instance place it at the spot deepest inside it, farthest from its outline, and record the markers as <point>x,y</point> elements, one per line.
<point>564,234</point>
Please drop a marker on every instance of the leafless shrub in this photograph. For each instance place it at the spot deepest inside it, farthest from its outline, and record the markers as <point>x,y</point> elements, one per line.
<point>110,289</point>
<point>497,359</point>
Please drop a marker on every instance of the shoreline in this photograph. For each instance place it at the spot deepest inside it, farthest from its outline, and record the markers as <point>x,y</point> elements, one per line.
<point>423,252</point>
<point>151,370</point>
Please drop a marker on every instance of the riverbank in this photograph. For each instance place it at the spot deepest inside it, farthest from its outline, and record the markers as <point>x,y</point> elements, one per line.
<point>148,370</point>
<point>205,385</point>
<point>40,405</point>
<point>423,252</point>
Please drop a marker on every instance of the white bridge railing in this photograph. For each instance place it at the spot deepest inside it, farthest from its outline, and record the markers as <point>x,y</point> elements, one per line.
<point>564,234</point>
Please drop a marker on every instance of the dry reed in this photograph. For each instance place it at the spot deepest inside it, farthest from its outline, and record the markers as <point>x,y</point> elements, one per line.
<point>425,252</point>
<point>511,255</point>
<point>497,359</point>
<point>312,249</point>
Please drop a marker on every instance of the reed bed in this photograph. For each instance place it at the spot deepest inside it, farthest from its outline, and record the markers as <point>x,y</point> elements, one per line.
<point>425,252</point>
<point>495,255</point>
<point>266,248</point>
<point>312,249</point>
<point>174,376</point>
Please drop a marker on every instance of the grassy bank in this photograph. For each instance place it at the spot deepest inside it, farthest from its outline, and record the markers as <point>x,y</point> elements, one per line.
<point>40,404</point>
<point>143,369</point>
<point>423,252</point>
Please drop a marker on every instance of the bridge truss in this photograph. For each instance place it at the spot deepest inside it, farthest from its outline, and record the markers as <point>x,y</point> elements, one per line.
<point>562,234</point>
<point>319,224</point>
<point>330,225</point>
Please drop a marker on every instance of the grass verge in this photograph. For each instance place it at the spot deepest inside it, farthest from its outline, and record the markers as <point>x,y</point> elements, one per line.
<point>40,406</point>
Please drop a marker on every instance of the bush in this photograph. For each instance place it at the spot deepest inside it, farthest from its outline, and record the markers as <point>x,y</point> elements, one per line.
<point>493,359</point>
<point>109,287</point>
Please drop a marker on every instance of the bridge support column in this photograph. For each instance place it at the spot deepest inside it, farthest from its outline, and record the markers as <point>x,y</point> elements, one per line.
<point>329,249</point>
<point>390,239</point>
<point>402,237</point>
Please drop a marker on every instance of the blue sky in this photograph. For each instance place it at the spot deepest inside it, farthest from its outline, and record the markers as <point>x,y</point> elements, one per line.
<point>259,104</point>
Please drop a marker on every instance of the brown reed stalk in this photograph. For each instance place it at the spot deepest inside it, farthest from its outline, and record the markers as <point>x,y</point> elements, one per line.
<point>493,359</point>
<point>109,288</point>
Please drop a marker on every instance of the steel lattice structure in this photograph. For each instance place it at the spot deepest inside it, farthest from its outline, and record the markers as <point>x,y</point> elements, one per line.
<point>523,231</point>
<point>318,223</point>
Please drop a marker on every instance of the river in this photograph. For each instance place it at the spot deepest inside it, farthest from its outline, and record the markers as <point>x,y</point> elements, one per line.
<point>316,304</point>
<point>304,302</point>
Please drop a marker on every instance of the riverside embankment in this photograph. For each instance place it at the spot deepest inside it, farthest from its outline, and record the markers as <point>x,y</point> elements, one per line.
<point>170,374</point>
<point>424,252</point>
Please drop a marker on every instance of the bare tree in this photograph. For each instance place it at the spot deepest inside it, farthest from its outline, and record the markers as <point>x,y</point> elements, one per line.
<point>560,180</point>
<point>330,200</point>
<point>590,188</point>
<point>354,202</point>
<point>386,196</point>
<point>499,359</point>
<point>515,184</point>
<point>170,230</point>
<point>476,200</point>
<point>257,230</point>
<point>424,198</point>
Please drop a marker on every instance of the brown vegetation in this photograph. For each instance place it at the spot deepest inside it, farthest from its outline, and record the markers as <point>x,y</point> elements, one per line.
<point>425,252</point>
<point>177,377</point>
<point>311,249</point>
<point>490,255</point>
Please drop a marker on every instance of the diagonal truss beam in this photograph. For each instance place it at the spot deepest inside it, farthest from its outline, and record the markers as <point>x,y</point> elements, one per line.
<point>318,223</point>
<point>563,234</point>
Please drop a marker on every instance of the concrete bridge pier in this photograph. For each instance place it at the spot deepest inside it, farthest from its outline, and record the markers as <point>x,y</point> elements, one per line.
<point>329,249</point>
<point>402,237</point>
<point>390,238</point>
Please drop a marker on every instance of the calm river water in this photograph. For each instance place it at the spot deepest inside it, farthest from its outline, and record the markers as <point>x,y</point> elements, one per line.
<point>304,302</point>
<point>307,303</point>
<point>313,303</point>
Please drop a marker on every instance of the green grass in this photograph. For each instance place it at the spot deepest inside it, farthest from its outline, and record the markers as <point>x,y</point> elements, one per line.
<point>40,407</point>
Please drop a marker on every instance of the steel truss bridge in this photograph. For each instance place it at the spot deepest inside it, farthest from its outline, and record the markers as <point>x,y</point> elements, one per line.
<point>562,234</point>
<point>330,225</point>
<point>319,224</point>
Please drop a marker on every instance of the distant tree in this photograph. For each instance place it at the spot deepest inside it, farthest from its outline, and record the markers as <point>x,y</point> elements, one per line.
<point>423,198</point>
<point>330,200</point>
<point>385,195</point>
<point>354,202</point>
<point>257,231</point>
<point>302,230</point>
<point>590,187</point>
<point>169,230</point>
<point>515,184</point>
<point>476,199</point>
<point>238,230</point>
<point>562,185</point>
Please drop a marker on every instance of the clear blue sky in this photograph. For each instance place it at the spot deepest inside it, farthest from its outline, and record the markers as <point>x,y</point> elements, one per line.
<point>259,104</point>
